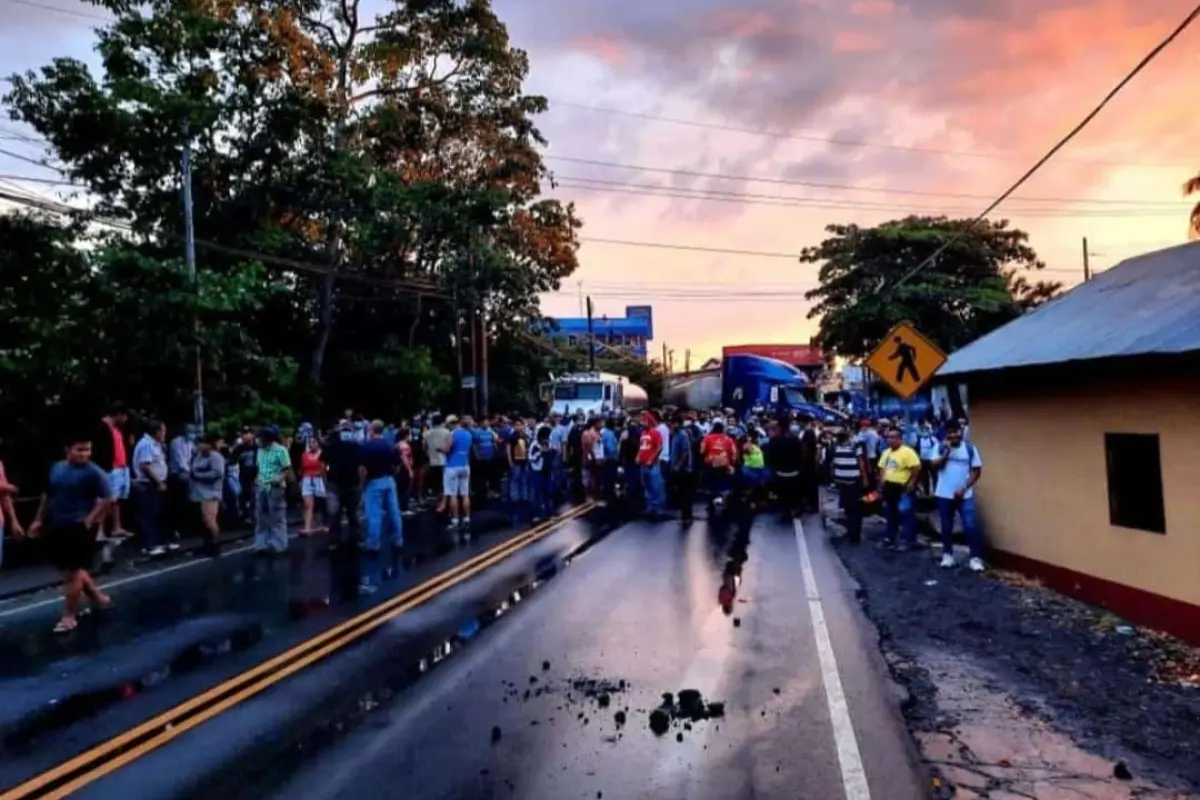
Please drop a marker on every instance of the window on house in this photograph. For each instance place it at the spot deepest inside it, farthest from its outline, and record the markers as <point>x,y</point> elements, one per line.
<point>1135,486</point>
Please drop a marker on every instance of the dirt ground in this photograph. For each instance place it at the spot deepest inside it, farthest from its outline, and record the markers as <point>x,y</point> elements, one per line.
<point>1018,692</point>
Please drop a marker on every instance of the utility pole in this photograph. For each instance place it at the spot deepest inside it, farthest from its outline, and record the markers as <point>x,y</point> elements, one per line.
<point>189,252</point>
<point>483,361</point>
<point>687,361</point>
<point>473,331</point>
<point>458,351</point>
<point>579,284</point>
<point>1087,270</point>
<point>666,371</point>
<point>591,338</point>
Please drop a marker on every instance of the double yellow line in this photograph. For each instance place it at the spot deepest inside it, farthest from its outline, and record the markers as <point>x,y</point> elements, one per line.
<point>90,766</point>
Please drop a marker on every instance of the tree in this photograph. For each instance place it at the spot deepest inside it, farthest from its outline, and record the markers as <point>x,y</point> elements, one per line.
<point>383,170</point>
<point>978,284</point>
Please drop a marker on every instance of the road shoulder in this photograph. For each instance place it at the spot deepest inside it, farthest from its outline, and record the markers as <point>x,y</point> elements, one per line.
<point>1016,691</point>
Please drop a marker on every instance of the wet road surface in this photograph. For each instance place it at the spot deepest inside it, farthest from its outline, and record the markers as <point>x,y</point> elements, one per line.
<point>512,676</point>
<point>177,634</point>
<point>557,699</point>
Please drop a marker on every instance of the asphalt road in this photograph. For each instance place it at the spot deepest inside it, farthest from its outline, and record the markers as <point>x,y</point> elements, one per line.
<point>533,707</point>
<point>180,632</point>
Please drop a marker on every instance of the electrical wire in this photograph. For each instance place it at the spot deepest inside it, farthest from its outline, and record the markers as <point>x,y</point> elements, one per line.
<point>688,173</point>
<point>58,9</point>
<point>839,142</point>
<point>1063,142</point>
<point>784,201</point>
<point>410,285</point>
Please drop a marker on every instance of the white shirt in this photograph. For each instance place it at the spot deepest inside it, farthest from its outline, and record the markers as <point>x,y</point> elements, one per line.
<point>955,473</point>
<point>664,456</point>
<point>928,447</point>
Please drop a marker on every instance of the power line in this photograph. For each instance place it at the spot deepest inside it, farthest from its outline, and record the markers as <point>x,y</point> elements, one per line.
<point>785,201</point>
<point>832,140</point>
<point>28,160</point>
<point>45,181</point>
<point>821,185</point>
<point>58,10</point>
<point>1063,142</point>
<point>408,284</point>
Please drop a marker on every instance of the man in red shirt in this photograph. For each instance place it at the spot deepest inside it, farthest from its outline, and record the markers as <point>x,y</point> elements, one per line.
<point>649,448</point>
<point>719,453</point>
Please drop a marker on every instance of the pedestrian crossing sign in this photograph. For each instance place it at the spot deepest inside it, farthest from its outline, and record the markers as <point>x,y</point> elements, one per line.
<point>905,360</point>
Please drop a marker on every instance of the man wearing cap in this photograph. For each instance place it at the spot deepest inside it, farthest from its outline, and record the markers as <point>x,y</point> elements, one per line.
<point>270,506</point>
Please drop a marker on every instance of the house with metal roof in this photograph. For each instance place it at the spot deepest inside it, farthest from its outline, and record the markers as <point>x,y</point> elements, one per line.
<point>1085,414</point>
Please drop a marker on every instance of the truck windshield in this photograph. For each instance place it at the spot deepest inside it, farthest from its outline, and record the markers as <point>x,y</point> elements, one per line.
<point>578,391</point>
<point>795,397</point>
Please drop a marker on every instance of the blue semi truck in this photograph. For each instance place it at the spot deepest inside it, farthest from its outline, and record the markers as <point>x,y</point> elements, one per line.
<point>748,382</point>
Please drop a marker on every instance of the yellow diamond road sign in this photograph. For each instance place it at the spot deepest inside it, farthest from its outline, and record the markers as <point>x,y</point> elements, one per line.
<point>905,360</point>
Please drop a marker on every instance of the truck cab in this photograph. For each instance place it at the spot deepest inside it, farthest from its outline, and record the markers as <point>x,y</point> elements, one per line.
<point>593,394</point>
<point>752,381</point>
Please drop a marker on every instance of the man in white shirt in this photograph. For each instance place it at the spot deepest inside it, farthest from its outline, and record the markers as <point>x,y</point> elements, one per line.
<point>959,468</point>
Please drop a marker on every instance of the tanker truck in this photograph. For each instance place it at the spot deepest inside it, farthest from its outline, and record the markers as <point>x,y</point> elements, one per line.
<point>749,382</point>
<point>594,394</point>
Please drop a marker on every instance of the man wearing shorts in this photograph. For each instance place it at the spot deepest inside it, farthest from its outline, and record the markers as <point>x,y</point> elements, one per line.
<point>77,498</point>
<point>437,443</point>
<point>456,483</point>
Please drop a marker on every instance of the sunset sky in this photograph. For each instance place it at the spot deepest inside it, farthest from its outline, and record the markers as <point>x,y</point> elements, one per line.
<point>769,119</point>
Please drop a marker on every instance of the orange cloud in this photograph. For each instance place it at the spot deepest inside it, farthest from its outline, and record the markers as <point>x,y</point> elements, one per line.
<point>873,9</point>
<point>607,49</point>
<point>858,42</point>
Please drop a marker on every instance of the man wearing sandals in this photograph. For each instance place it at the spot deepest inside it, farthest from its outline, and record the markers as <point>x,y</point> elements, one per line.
<point>77,499</point>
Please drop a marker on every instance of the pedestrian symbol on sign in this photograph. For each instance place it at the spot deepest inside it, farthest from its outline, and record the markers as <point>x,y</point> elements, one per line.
<point>906,354</point>
<point>905,360</point>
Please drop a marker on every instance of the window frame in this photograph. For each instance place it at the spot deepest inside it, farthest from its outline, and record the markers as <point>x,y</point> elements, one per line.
<point>1141,479</point>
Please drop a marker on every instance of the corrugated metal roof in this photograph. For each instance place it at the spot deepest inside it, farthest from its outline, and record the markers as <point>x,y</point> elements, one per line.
<point>1149,304</point>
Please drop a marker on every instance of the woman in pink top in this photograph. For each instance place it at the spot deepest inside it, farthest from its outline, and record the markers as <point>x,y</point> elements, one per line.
<point>312,482</point>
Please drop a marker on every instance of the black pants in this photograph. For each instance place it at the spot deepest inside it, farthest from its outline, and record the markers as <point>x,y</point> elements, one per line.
<point>343,499</point>
<point>787,491</point>
<point>851,495</point>
<point>180,512</point>
<point>683,488</point>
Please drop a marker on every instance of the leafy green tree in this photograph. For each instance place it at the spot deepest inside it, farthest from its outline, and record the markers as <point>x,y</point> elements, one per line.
<point>381,170</point>
<point>979,283</point>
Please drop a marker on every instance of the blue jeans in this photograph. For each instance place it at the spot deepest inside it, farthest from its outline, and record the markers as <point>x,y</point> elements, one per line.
<point>518,484</point>
<point>970,520</point>
<point>656,492</point>
<point>901,514</point>
<point>270,519</point>
<point>382,504</point>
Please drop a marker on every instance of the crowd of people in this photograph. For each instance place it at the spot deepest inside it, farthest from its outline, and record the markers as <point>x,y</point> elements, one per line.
<point>361,478</point>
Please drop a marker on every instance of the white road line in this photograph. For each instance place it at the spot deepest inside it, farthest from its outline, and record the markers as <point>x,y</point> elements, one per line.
<point>124,581</point>
<point>854,775</point>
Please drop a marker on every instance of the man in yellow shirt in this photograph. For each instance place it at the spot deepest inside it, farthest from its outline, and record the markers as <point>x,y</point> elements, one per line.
<point>899,471</point>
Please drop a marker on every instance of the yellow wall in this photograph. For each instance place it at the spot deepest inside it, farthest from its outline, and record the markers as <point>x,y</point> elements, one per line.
<point>1043,494</point>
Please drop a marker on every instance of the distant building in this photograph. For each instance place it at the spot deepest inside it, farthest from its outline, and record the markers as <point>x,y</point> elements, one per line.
<point>631,333</point>
<point>1084,411</point>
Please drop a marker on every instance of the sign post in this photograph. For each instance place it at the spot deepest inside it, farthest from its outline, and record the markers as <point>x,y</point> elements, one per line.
<point>905,360</point>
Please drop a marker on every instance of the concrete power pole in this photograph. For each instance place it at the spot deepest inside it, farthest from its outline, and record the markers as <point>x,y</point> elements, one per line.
<point>189,252</point>
<point>1087,270</point>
